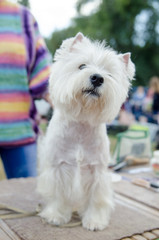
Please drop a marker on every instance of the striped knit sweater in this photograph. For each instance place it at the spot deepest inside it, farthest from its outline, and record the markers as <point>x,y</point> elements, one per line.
<point>24,71</point>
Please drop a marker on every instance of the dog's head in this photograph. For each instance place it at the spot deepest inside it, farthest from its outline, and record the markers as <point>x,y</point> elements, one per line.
<point>89,80</point>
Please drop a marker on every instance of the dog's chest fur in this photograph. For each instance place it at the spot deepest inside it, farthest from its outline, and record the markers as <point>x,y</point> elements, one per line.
<point>81,143</point>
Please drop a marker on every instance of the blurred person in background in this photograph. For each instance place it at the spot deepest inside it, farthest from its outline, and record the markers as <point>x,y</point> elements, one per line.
<point>24,72</point>
<point>153,116</point>
<point>147,104</point>
<point>154,85</point>
<point>137,101</point>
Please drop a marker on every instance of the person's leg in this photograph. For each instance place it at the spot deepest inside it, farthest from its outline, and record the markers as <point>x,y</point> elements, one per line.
<point>20,161</point>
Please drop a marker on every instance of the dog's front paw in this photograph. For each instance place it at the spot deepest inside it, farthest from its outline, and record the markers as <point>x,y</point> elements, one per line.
<point>93,224</point>
<point>52,216</point>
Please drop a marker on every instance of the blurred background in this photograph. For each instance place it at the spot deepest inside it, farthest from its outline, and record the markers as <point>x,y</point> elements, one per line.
<point>127,26</point>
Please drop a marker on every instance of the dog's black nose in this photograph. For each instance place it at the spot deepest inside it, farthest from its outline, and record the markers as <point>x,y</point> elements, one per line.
<point>97,80</point>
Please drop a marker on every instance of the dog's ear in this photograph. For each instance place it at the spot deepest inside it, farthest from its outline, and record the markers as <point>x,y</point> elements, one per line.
<point>129,65</point>
<point>126,57</point>
<point>68,46</point>
<point>78,38</point>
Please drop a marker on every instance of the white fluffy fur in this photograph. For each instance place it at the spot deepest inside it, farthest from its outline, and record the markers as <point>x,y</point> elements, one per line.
<point>75,150</point>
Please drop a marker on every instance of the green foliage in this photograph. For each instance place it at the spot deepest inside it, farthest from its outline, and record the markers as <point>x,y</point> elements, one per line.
<point>127,26</point>
<point>24,2</point>
<point>58,36</point>
<point>80,3</point>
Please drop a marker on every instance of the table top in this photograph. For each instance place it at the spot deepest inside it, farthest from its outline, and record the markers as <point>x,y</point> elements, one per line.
<point>136,214</point>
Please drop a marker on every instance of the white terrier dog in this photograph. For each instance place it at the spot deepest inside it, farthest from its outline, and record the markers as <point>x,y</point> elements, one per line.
<point>88,85</point>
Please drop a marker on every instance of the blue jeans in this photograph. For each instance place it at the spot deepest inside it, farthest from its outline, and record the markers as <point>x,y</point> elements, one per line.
<point>20,161</point>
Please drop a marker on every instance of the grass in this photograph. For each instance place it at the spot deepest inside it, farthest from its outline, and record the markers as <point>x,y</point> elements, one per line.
<point>2,173</point>
<point>113,141</point>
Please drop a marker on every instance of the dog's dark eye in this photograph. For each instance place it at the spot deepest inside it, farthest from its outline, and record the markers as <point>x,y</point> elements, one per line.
<point>82,66</point>
<point>109,75</point>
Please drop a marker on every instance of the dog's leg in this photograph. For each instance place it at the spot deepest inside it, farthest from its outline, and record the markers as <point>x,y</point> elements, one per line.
<point>54,185</point>
<point>56,212</point>
<point>96,212</point>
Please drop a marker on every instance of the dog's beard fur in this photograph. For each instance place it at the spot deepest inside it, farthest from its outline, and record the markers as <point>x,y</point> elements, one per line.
<point>75,150</point>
